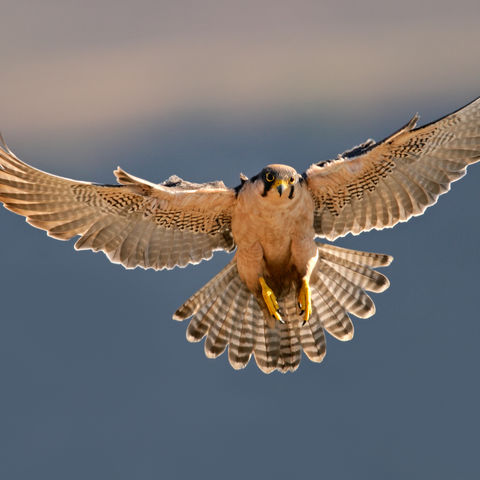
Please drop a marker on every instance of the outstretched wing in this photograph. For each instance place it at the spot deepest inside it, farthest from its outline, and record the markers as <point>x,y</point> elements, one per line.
<point>136,223</point>
<point>377,185</point>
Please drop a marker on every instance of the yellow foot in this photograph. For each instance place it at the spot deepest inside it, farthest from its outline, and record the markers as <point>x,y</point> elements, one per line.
<point>270,300</point>
<point>305,301</point>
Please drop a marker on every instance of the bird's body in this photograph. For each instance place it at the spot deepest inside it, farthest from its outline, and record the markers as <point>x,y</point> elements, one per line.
<point>282,289</point>
<point>274,233</point>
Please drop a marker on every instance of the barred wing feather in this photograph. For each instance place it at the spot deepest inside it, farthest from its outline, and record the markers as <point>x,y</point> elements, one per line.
<point>377,185</point>
<point>136,223</point>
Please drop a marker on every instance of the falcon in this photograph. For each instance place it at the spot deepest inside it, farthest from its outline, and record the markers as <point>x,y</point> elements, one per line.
<point>282,289</point>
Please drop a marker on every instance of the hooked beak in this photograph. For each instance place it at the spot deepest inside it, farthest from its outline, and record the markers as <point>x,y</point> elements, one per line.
<point>281,186</point>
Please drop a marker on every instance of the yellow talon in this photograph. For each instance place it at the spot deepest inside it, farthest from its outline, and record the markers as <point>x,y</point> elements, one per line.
<point>305,301</point>
<point>270,300</point>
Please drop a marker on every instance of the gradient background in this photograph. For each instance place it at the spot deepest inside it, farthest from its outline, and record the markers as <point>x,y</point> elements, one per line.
<point>96,380</point>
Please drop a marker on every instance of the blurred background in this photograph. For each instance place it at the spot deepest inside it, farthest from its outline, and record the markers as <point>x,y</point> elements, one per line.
<point>96,379</point>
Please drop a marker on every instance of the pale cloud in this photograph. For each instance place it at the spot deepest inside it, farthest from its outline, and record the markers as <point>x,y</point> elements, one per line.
<point>81,67</point>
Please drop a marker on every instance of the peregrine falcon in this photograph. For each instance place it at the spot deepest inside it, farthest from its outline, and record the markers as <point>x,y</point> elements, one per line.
<point>282,289</point>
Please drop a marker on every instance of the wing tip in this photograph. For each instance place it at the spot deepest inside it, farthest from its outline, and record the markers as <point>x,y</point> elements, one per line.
<point>5,147</point>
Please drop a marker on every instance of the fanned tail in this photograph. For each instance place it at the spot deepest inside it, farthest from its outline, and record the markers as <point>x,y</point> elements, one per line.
<point>339,284</point>
<point>228,314</point>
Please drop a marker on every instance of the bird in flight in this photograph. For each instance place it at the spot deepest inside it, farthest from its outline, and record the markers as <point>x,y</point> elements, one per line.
<point>282,289</point>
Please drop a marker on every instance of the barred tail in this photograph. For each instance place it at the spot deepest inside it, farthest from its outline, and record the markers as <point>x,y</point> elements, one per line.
<point>338,286</point>
<point>228,314</point>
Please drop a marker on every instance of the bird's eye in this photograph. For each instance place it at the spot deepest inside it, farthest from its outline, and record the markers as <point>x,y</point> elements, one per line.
<point>291,180</point>
<point>269,177</point>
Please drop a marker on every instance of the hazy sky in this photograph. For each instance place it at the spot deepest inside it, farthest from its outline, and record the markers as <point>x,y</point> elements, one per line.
<point>97,381</point>
<point>83,66</point>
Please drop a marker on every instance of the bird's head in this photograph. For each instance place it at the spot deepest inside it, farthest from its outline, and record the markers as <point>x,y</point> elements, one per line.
<point>277,181</point>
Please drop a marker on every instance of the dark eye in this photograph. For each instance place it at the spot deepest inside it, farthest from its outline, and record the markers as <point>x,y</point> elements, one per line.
<point>291,180</point>
<point>269,177</point>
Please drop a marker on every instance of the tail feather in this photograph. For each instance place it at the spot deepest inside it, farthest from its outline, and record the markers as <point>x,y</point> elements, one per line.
<point>221,328</point>
<point>211,318</point>
<point>360,275</point>
<point>228,314</point>
<point>219,281</point>
<point>356,256</point>
<point>312,338</point>
<point>202,320</point>
<point>290,347</point>
<point>266,347</point>
<point>333,316</point>
<point>241,337</point>
<point>352,298</point>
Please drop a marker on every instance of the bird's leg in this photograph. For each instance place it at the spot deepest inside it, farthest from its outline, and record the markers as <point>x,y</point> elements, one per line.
<point>305,301</point>
<point>270,300</point>
<point>305,257</point>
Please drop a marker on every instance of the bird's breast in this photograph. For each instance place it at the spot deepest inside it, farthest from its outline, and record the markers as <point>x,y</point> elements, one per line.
<point>272,225</point>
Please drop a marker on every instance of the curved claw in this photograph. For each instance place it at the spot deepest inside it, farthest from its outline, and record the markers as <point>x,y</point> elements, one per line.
<point>270,300</point>
<point>305,301</point>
